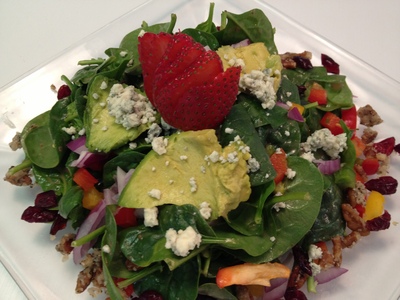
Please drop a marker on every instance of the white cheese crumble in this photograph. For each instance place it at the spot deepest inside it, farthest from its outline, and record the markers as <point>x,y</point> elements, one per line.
<point>159,145</point>
<point>95,96</point>
<point>150,216</point>
<point>308,156</point>
<point>272,239</point>
<point>130,109</point>
<point>228,130</point>
<point>314,252</point>
<point>106,249</point>
<point>193,184</point>
<point>278,206</point>
<point>154,193</point>
<point>260,84</point>
<point>183,157</point>
<point>70,130</point>
<point>253,165</point>
<point>290,173</point>
<point>103,85</point>
<point>325,140</point>
<point>182,241</point>
<point>153,132</point>
<point>205,210</point>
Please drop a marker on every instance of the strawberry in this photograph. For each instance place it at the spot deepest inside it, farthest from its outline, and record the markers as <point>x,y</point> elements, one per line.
<point>153,57</point>
<point>186,83</point>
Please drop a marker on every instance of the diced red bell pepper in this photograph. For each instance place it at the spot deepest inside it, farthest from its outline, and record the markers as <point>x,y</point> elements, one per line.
<point>318,94</point>
<point>349,117</point>
<point>125,217</point>
<point>370,165</point>
<point>279,163</point>
<point>332,122</point>
<point>84,179</point>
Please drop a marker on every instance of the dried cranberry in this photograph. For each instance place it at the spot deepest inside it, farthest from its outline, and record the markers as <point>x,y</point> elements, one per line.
<point>330,65</point>
<point>63,92</point>
<point>386,146</point>
<point>386,185</point>
<point>303,63</point>
<point>34,214</point>
<point>46,199</point>
<point>397,148</point>
<point>294,294</point>
<point>58,224</point>
<point>301,258</point>
<point>302,89</point>
<point>150,295</point>
<point>379,223</point>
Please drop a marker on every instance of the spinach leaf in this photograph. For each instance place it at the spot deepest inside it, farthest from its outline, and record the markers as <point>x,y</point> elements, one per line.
<point>144,245</point>
<point>239,120</point>
<point>181,283</point>
<point>212,290</point>
<point>110,239</point>
<point>259,116</point>
<point>286,136</point>
<point>38,142</point>
<point>71,199</point>
<point>288,91</point>
<point>125,160</point>
<point>58,179</point>
<point>253,25</point>
<point>329,222</point>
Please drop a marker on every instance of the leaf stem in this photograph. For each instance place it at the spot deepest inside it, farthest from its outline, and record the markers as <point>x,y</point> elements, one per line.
<point>140,275</point>
<point>90,236</point>
<point>26,163</point>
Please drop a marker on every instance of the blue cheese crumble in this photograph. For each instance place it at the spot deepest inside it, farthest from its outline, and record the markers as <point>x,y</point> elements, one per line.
<point>150,216</point>
<point>182,241</point>
<point>261,85</point>
<point>130,109</point>
<point>323,139</point>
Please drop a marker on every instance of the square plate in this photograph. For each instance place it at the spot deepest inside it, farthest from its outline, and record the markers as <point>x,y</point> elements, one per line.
<point>28,253</point>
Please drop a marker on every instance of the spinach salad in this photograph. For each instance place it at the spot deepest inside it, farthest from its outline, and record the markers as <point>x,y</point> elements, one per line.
<point>281,179</point>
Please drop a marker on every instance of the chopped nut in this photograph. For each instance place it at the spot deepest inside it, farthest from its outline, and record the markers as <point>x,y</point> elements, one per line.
<point>368,116</point>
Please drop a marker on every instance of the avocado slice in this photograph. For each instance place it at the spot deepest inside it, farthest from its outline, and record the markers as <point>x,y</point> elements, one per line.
<point>254,56</point>
<point>190,171</point>
<point>103,134</point>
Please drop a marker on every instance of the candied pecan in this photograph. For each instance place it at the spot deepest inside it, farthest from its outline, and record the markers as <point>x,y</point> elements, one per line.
<point>368,116</point>
<point>337,251</point>
<point>369,135</point>
<point>92,272</point>
<point>20,178</point>
<point>351,239</point>
<point>326,261</point>
<point>64,246</point>
<point>360,171</point>
<point>369,151</point>
<point>288,58</point>
<point>357,195</point>
<point>15,144</point>
<point>84,279</point>
<point>353,219</point>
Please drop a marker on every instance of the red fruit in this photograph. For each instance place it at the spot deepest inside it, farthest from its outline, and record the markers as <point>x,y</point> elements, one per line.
<point>187,83</point>
<point>330,65</point>
<point>151,50</point>
<point>63,92</point>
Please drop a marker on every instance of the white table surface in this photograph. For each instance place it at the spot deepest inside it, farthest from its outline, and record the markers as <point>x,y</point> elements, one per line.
<point>34,32</point>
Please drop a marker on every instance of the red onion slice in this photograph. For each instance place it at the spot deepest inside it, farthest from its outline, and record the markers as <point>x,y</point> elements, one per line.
<point>94,220</point>
<point>242,43</point>
<point>282,105</point>
<point>329,274</point>
<point>277,289</point>
<point>295,114</point>
<point>78,145</point>
<point>328,167</point>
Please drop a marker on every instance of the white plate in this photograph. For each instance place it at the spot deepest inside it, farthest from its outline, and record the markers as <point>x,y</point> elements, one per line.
<point>26,249</point>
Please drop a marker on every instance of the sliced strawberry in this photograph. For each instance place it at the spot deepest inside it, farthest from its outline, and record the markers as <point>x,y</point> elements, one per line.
<point>186,82</point>
<point>151,50</point>
<point>204,106</point>
<point>179,55</point>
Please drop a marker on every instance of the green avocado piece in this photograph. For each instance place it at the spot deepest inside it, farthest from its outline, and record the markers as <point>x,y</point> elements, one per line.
<point>194,169</point>
<point>254,56</point>
<point>103,134</point>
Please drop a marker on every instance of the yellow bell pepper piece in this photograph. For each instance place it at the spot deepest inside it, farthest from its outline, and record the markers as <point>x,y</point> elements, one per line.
<point>299,107</point>
<point>374,206</point>
<point>91,198</point>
